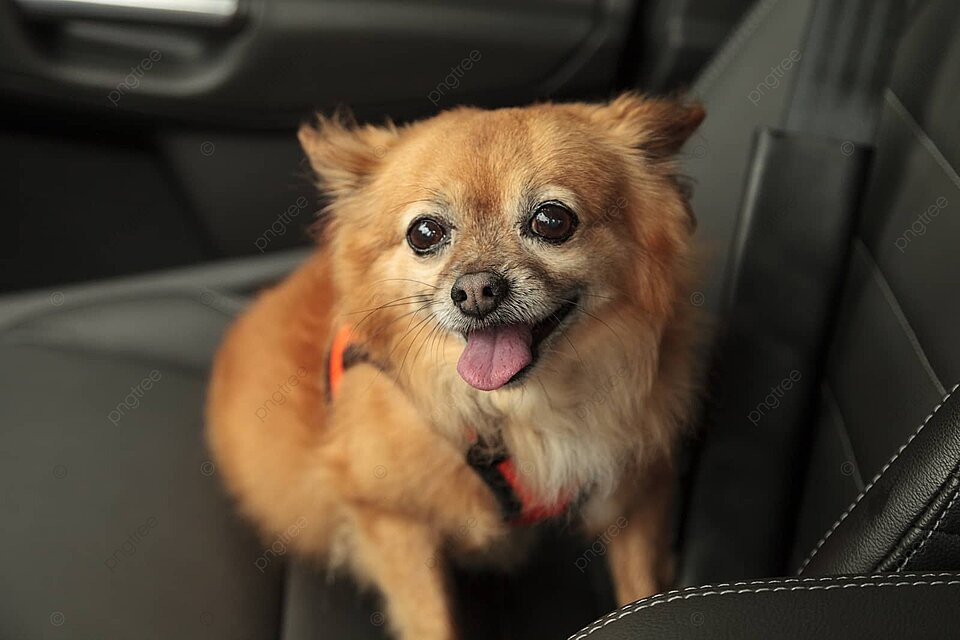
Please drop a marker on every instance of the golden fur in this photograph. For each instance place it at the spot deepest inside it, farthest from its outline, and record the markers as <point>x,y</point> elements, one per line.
<point>377,477</point>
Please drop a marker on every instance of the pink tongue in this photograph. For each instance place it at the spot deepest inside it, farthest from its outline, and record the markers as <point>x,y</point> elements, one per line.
<point>493,356</point>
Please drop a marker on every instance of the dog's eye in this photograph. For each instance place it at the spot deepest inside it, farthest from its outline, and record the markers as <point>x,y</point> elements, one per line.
<point>553,222</point>
<point>425,235</point>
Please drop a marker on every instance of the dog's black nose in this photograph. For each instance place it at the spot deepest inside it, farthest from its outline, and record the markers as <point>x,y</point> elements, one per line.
<point>477,294</point>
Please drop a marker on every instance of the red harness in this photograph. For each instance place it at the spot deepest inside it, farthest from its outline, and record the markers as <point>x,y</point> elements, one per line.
<point>498,470</point>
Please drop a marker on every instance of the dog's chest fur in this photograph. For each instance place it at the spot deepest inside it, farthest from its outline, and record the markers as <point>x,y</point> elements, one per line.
<point>567,435</point>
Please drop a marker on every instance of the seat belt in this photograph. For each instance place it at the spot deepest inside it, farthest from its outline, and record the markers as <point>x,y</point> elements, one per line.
<point>797,216</point>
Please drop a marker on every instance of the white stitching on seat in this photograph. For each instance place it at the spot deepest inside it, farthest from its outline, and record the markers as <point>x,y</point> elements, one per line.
<point>648,603</point>
<point>930,533</point>
<point>723,585</point>
<point>747,583</point>
<point>866,489</point>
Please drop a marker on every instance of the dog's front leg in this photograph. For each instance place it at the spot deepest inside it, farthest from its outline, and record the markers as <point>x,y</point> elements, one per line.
<point>390,458</point>
<point>634,529</point>
<point>400,556</point>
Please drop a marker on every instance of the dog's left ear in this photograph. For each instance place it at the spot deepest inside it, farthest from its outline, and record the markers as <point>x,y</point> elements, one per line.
<point>658,127</point>
<point>343,154</point>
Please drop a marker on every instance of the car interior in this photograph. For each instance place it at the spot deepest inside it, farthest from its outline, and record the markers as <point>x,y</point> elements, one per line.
<point>151,168</point>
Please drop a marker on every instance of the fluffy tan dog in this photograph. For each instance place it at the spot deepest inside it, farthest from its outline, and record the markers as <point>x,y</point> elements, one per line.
<point>494,331</point>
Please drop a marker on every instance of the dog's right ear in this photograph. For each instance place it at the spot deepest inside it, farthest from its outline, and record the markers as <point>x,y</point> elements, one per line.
<point>344,155</point>
<point>656,126</point>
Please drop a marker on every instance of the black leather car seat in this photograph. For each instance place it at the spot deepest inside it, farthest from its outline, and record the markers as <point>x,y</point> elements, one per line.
<point>114,525</point>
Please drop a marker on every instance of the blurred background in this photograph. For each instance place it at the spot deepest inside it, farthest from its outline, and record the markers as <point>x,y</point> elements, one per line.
<point>141,134</point>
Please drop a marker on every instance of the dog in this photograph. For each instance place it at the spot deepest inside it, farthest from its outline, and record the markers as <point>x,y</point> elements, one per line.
<point>494,331</point>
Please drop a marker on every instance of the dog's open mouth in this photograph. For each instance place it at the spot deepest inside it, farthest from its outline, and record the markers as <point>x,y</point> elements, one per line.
<point>504,353</point>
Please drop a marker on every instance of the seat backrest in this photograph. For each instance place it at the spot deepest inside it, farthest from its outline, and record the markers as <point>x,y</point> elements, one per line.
<point>896,350</point>
<point>893,357</point>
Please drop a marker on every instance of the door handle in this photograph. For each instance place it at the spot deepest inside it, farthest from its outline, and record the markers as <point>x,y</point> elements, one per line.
<point>200,13</point>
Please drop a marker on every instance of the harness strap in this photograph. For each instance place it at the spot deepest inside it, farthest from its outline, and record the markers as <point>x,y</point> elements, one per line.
<point>531,511</point>
<point>335,366</point>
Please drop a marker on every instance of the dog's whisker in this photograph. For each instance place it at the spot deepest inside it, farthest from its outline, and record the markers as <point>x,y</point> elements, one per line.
<point>399,302</point>
<point>424,294</point>
<point>379,331</point>
<point>436,342</point>
<point>563,333</point>
<point>388,324</point>
<point>543,387</point>
<point>426,340</point>
<point>566,356</point>
<point>421,324</point>
<point>423,343</point>
<point>597,295</point>
<point>426,284</point>
<point>410,327</point>
<point>582,310</point>
<point>441,339</point>
<point>413,313</point>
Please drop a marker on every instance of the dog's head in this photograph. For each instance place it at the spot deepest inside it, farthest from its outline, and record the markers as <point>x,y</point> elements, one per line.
<point>508,232</point>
